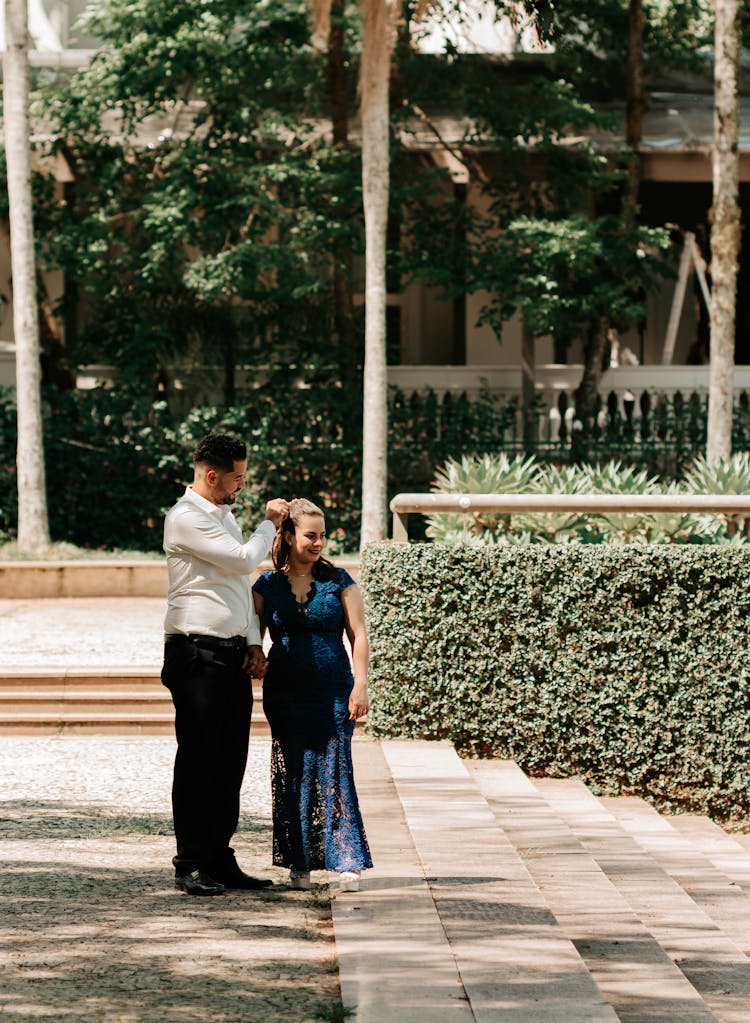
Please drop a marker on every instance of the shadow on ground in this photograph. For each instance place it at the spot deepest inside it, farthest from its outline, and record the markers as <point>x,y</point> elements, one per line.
<point>93,931</point>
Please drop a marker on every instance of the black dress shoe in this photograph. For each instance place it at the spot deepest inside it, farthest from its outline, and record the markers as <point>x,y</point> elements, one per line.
<point>237,878</point>
<point>198,883</point>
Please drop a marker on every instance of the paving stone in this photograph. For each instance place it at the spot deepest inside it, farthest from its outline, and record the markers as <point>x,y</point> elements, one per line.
<point>395,961</point>
<point>723,900</point>
<point>516,964</point>
<point>636,975</point>
<point>91,927</point>
<point>713,963</point>
<point>726,851</point>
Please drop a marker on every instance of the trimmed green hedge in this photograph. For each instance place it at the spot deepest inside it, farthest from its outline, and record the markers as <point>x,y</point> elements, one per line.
<point>626,665</point>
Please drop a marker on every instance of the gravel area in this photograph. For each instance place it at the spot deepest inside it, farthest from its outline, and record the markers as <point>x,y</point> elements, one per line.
<point>108,776</point>
<point>81,632</point>
<point>91,927</point>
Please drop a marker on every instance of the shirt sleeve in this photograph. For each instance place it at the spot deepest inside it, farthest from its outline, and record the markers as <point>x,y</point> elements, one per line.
<point>253,637</point>
<point>207,539</point>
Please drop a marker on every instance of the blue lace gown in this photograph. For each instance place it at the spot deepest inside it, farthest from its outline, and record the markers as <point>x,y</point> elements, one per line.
<point>317,824</point>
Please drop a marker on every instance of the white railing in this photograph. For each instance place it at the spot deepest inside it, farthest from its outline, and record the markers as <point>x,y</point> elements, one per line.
<point>552,379</point>
<point>623,389</point>
<point>403,505</point>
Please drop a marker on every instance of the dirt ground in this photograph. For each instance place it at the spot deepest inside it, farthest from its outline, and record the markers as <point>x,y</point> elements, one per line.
<point>92,929</point>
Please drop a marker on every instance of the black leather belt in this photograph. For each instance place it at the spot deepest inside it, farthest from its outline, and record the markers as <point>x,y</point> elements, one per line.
<point>211,642</point>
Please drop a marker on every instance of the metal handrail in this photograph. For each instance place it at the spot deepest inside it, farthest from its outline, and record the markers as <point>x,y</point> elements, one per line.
<point>403,505</point>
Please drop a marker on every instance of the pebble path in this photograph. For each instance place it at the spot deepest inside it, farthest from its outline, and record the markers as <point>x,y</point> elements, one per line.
<point>92,929</point>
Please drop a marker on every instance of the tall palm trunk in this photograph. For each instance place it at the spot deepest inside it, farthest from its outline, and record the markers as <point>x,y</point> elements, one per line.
<point>343,257</point>
<point>379,21</point>
<point>725,229</point>
<point>33,526</point>
<point>379,18</point>
<point>635,107</point>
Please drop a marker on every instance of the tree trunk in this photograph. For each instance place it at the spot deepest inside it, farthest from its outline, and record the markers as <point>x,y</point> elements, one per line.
<point>725,230</point>
<point>33,526</point>
<point>635,100</point>
<point>379,20</point>
<point>587,395</point>
<point>338,87</point>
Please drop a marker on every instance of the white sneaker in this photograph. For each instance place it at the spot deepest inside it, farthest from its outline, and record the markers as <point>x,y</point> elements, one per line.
<point>348,881</point>
<point>300,880</point>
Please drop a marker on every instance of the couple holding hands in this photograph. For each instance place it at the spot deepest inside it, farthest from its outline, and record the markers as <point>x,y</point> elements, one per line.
<point>213,648</point>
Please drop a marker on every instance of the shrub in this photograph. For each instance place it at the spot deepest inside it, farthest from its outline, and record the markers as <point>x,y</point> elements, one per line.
<point>626,665</point>
<point>498,474</point>
<point>115,463</point>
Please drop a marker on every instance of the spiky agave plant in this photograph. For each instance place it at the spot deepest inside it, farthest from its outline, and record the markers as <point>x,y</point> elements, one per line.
<point>685,527</point>
<point>616,478</point>
<point>557,527</point>
<point>723,476</point>
<point>480,474</point>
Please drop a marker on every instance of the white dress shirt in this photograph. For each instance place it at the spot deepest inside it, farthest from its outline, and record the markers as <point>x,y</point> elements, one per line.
<point>209,570</point>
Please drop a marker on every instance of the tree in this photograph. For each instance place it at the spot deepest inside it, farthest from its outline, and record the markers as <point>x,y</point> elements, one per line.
<point>215,240</point>
<point>33,523</point>
<point>725,228</point>
<point>379,19</point>
<point>379,35</point>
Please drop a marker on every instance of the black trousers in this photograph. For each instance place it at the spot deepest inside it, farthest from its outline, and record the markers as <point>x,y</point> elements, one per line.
<point>213,701</point>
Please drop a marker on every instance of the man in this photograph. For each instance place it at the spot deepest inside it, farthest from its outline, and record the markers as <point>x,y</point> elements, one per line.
<point>212,647</point>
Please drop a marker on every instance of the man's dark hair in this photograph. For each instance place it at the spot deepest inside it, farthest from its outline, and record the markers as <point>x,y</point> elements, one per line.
<point>220,451</point>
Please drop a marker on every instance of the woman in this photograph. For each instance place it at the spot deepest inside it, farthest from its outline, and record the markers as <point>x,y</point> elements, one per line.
<point>312,702</point>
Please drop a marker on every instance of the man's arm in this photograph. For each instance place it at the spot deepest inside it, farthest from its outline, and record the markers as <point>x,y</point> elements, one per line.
<point>191,532</point>
<point>196,534</point>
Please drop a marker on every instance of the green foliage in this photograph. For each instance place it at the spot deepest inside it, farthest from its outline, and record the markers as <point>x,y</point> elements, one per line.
<point>8,472</point>
<point>208,204</point>
<point>724,476</point>
<point>480,474</point>
<point>564,275</point>
<point>494,474</point>
<point>116,460</point>
<point>625,665</point>
<point>116,463</point>
<point>551,238</point>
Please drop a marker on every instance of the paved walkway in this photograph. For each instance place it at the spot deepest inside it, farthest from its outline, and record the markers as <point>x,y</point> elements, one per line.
<point>495,898</point>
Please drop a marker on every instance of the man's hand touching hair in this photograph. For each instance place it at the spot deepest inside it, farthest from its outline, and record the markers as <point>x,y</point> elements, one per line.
<point>277,510</point>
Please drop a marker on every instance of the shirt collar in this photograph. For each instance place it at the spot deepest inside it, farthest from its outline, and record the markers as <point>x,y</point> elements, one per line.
<point>207,506</point>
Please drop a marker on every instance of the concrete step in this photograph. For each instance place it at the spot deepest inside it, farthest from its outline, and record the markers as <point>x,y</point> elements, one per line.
<point>724,850</point>
<point>98,679</point>
<point>516,963</point>
<point>28,723</point>
<point>636,975</point>
<point>709,887</point>
<point>109,723</point>
<point>93,701</point>
<point>713,963</point>
<point>113,700</point>
<point>395,961</point>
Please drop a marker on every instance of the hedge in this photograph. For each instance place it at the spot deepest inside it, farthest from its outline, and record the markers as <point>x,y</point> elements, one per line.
<point>625,665</point>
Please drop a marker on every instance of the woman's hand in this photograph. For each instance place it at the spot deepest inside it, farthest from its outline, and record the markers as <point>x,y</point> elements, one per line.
<point>255,663</point>
<point>359,705</point>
